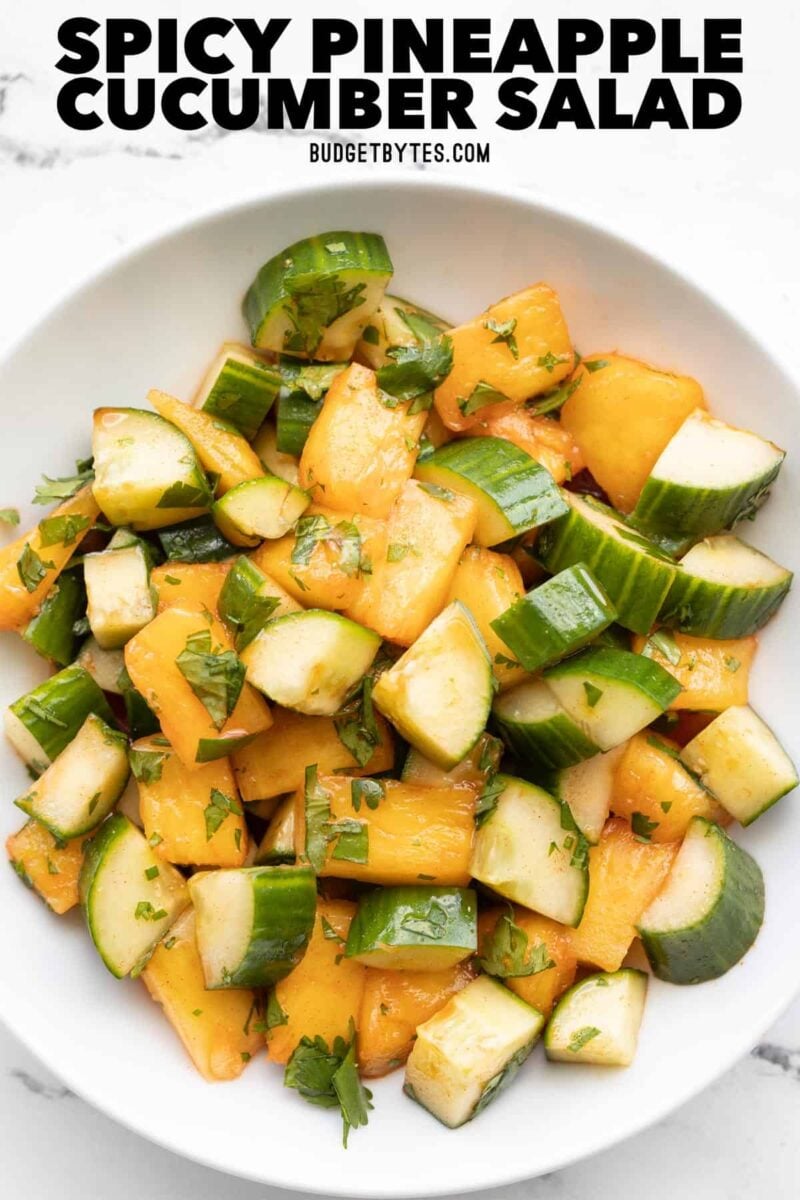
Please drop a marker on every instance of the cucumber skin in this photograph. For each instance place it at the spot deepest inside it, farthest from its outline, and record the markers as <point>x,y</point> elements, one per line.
<point>366,252</point>
<point>555,619</point>
<point>623,666</point>
<point>521,489</point>
<point>71,695</point>
<point>195,541</point>
<point>51,631</point>
<point>243,393</point>
<point>296,413</point>
<point>734,921</point>
<point>665,507</point>
<point>94,853</point>
<point>548,746</point>
<point>142,721</point>
<point>637,583</point>
<point>379,921</point>
<point>704,609</point>
<point>564,999</point>
<point>282,925</point>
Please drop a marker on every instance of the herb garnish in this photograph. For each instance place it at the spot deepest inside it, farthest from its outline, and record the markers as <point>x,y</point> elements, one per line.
<point>329,1078</point>
<point>215,677</point>
<point>507,953</point>
<point>505,334</point>
<point>218,809</point>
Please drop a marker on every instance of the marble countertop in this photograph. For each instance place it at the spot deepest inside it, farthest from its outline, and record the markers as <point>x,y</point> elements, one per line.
<point>721,207</point>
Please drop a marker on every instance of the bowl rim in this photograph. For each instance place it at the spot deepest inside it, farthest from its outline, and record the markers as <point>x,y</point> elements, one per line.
<point>419,182</point>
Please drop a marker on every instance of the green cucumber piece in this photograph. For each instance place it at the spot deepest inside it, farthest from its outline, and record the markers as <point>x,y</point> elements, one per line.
<point>285,466</point>
<point>469,1051</point>
<point>104,666</point>
<point>248,600</point>
<point>146,472</point>
<point>120,599</point>
<point>482,762</point>
<point>241,388</point>
<point>708,476</point>
<point>130,897</point>
<point>277,844</point>
<point>439,692</point>
<point>725,589</point>
<point>612,694</point>
<point>555,619</point>
<point>394,323</point>
<point>535,726</point>
<point>314,298</point>
<point>253,923</point>
<point>195,541</point>
<point>635,574</point>
<point>708,913</point>
<point>142,721</point>
<point>529,850</point>
<point>741,762</point>
<point>304,388</point>
<point>414,928</point>
<point>513,493</point>
<point>80,788</point>
<point>52,631</point>
<point>259,508</point>
<point>586,789</point>
<point>310,660</point>
<point>45,720</point>
<point>598,1020</point>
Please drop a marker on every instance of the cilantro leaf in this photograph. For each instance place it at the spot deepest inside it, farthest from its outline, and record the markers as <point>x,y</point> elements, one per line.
<point>482,395</point>
<point>9,516</point>
<point>343,537</point>
<point>313,305</point>
<point>328,1077</point>
<point>642,826</point>
<point>581,1036</point>
<point>554,399</point>
<point>550,361</point>
<point>416,371</point>
<point>507,952</point>
<point>146,765</point>
<point>505,333</point>
<point>216,678</point>
<point>595,364</point>
<point>318,817</point>
<point>663,643</point>
<point>355,722</point>
<point>370,790</point>
<point>593,694</point>
<point>32,569</point>
<point>352,840</point>
<point>62,531</point>
<point>51,491</point>
<point>487,801</point>
<point>218,809</point>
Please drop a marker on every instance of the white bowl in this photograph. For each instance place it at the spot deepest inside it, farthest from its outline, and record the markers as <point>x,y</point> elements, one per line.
<point>155,320</point>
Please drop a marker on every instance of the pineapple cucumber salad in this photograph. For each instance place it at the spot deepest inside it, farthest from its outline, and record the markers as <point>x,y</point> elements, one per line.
<point>399,707</point>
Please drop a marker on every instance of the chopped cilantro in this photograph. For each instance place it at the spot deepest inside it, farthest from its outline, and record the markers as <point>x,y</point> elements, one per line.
<point>215,677</point>
<point>550,361</point>
<point>505,334</point>
<point>593,694</point>
<point>642,826</point>
<point>32,569</point>
<point>481,396</point>
<point>146,765</point>
<point>507,954</point>
<point>371,791</point>
<point>581,1036</point>
<point>63,530</point>
<point>218,809</point>
<point>328,1077</point>
<point>51,491</point>
<point>9,516</point>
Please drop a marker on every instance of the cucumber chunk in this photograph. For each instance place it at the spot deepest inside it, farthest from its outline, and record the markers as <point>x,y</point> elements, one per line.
<point>310,660</point>
<point>708,476</point>
<point>43,721</point>
<point>300,401</point>
<point>130,897</point>
<point>586,789</point>
<point>470,1050</point>
<point>612,694</point>
<point>396,323</point>
<point>709,912</point>
<point>533,724</point>
<point>240,387</point>
<point>634,572</point>
<point>528,849</point>
<point>253,923</point>
<point>120,599</point>
<point>277,844</point>
<point>741,762</point>
<point>555,619</point>
<point>598,1020</point>
<point>314,298</point>
<point>104,666</point>
<point>512,492</point>
<point>481,762</point>
<point>285,466</point>
<point>258,509</point>
<point>80,788</point>
<point>414,928</point>
<point>249,599</point>
<point>725,589</point>
<point>439,692</point>
<point>52,631</point>
<point>146,471</point>
<point>197,541</point>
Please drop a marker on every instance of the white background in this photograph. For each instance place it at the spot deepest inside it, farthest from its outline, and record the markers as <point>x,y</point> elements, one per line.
<point>720,206</point>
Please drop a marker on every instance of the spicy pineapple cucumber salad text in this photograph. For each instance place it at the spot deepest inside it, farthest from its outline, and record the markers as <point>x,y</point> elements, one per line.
<point>400,708</point>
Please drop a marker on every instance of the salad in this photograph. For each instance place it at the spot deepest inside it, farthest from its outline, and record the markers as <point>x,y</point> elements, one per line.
<point>398,712</point>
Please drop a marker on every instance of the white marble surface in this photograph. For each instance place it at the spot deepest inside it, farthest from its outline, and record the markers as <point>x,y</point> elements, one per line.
<point>722,207</point>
